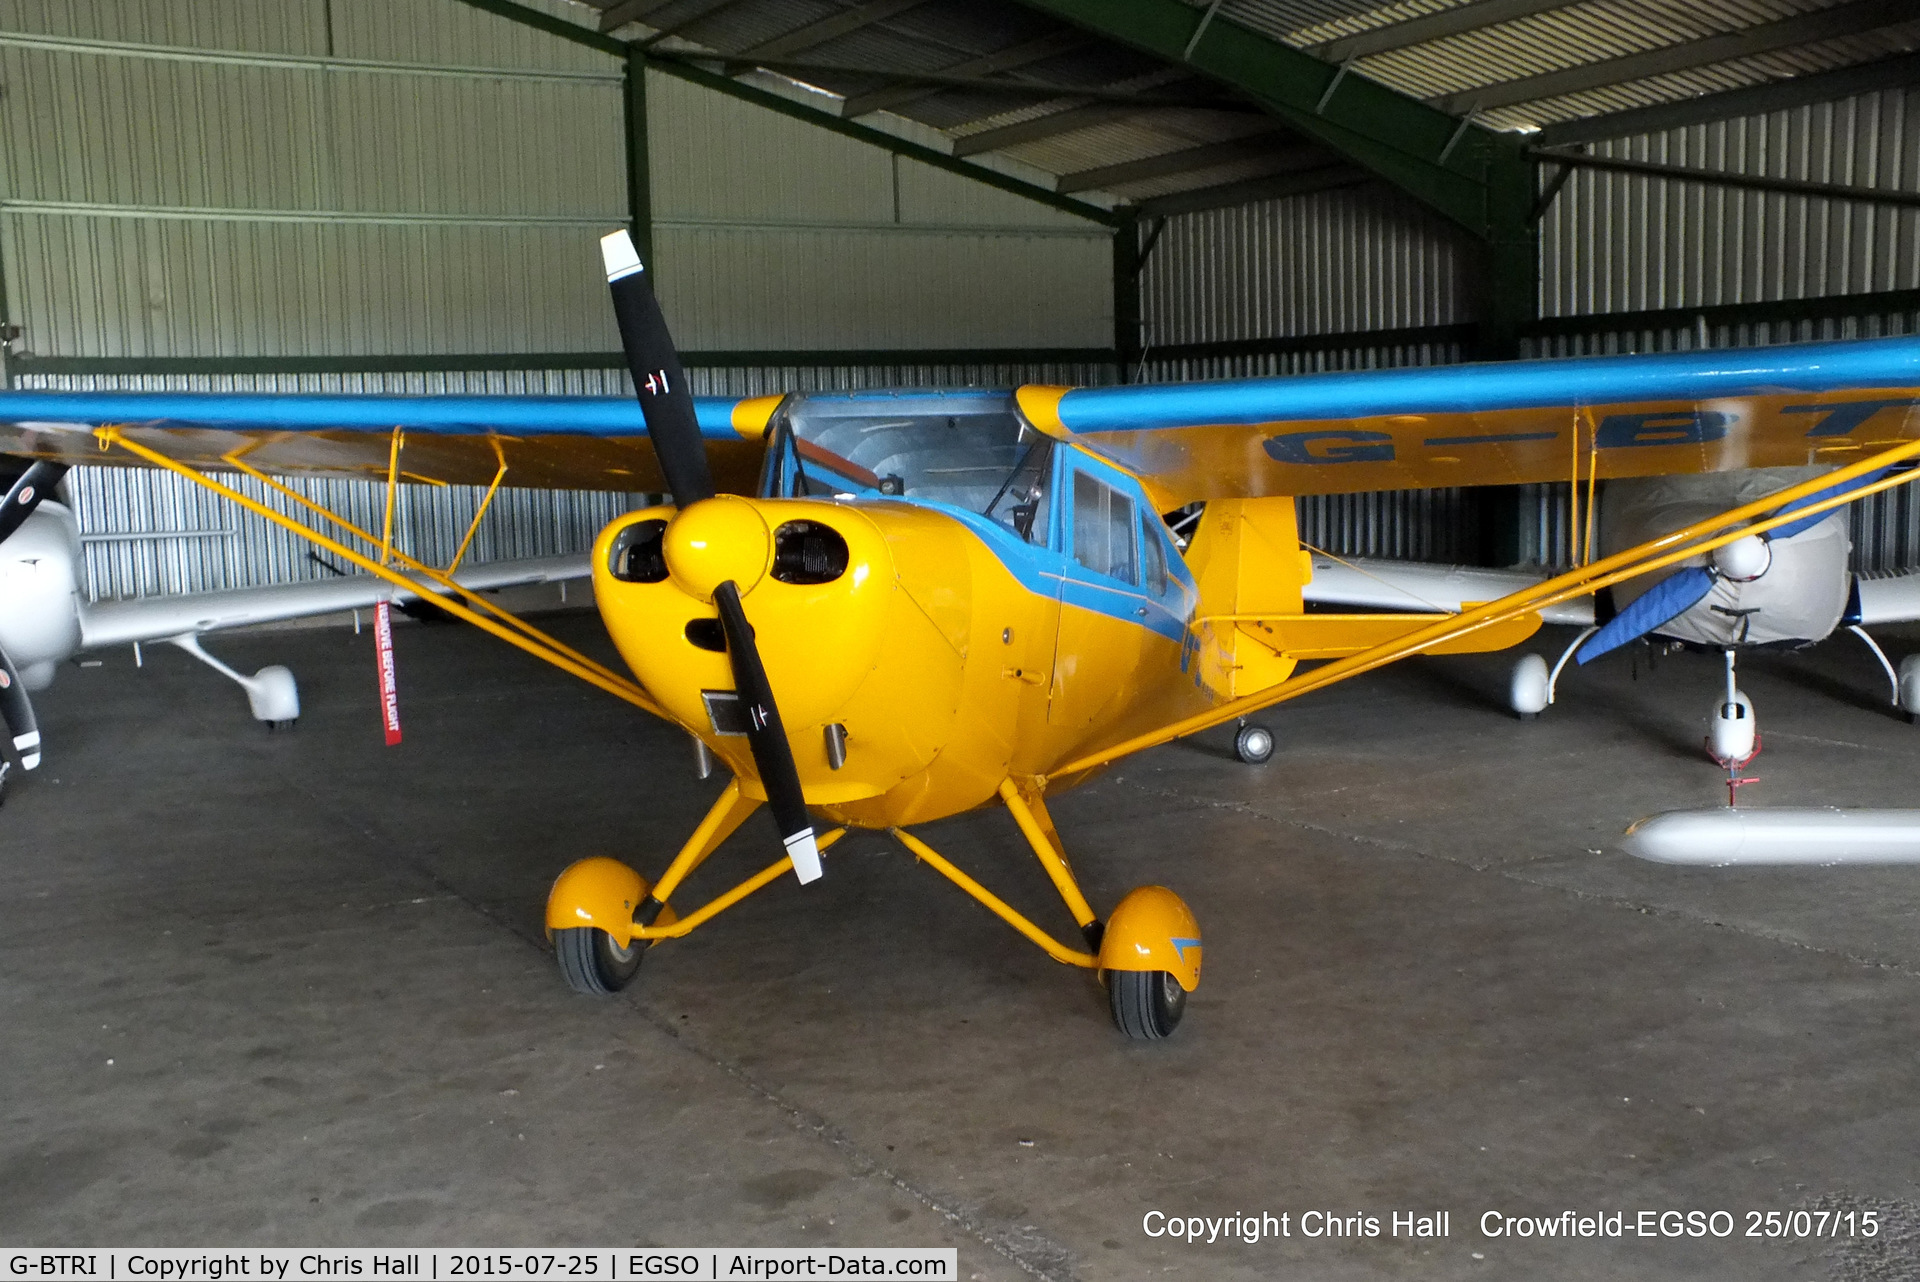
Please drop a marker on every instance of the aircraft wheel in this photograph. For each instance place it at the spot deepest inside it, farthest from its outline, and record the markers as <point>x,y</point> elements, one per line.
<point>1253,745</point>
<point>1909,687</point>
<point>592,963</point>
<point>1527,687</point>
<point>1147,1004</point>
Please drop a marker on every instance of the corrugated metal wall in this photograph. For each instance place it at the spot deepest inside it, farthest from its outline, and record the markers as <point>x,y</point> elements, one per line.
<point>287,187</point>
<point>1326,263</point>
<point>773,233</point>
<point>1331,262</point>
<point>1626,242</point>
<point>229,178</point>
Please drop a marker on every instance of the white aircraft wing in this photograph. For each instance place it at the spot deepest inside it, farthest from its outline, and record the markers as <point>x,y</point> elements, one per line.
<point>1377,584</point>
<point>1891,598</point>
<point>161,617</point>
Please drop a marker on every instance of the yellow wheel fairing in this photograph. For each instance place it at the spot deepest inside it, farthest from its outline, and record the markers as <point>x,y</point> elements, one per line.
<point>601,893</point>
<point>1153,929</point>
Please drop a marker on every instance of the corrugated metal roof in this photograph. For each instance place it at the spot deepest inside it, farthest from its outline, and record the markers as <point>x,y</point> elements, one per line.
<point>967,67</point>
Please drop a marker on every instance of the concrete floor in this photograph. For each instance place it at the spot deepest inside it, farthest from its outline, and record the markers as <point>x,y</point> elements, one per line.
<point>291,989</point>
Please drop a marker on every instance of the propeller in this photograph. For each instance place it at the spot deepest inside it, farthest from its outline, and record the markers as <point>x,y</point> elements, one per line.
<point>25,494</point>
<point>16,709</point>
<point>1743,560</point>
<point>666,402</point>
<point>1667,599</point>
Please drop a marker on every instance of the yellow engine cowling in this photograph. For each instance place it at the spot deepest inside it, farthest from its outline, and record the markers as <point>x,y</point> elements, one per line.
<point>878,650</point>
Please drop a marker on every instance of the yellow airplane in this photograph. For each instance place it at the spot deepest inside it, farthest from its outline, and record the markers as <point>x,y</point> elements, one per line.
<point>882,608</point>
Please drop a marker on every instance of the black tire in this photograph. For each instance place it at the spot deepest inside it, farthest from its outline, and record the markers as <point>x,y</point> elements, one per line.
<point>1147,1004</point>
<point>592,963</point>
<point>1253,745</point>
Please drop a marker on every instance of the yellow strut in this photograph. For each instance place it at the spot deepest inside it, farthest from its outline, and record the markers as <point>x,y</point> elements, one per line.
<point>485,503</point>
<point>707,912</point>
<point>443,578</point>
<point>993,903</point>
<point>393,494</point>
<point>1029,810</point>
<point>553,654</point>
<point>1654,554</point>
<point>723,817</point>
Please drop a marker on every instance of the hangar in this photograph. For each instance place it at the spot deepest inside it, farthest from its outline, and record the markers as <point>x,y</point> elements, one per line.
<point>289,988</point>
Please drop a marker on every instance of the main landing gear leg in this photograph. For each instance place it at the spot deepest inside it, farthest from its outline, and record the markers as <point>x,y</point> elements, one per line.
<point>1147,952</point>
<point>596,903</point>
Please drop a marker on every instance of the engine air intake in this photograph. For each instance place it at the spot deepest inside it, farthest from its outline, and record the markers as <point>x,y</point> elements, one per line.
<point>807,552</point>
<point>636,555</point>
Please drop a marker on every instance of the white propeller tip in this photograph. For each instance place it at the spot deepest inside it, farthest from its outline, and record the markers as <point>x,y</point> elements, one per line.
<point>622,259</point>
<point>805,853</point>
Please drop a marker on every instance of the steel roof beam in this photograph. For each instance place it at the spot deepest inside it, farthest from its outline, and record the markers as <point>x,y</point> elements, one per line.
<point>1484,184</point>
<point>936,82</point>
<point>1269,187</point>
<point>1848,19</point>
<point>1471,175</point>
<point>1723,178</point>
<point>1168,163</point>
<point>674,66</point>
<point>619,15</point>
<point>1052,125</point>
<point>1019,55</point>
<point>701,9</point>
<point>1899,72</point>
<point>831,27</point>
<point>1433,26</point>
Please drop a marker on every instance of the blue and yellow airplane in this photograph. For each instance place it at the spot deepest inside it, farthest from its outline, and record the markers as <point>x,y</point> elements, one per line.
<point>882,608</point>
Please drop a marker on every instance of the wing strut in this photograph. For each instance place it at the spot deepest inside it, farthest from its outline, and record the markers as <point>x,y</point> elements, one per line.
<point>1794,505</point>
<point>509,628</point>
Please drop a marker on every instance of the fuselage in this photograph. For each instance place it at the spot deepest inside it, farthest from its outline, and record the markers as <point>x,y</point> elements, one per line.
<point>40,599</point>
<point>929,649</point>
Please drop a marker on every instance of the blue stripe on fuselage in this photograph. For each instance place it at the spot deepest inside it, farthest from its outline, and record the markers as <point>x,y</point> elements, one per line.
<point>1047,573</point>
<point>1465,389</point>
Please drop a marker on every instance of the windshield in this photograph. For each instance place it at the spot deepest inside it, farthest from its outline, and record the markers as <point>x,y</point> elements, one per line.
<point>969,450</point>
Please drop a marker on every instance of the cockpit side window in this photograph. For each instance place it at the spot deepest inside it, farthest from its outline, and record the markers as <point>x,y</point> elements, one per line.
<point>1103,528</point>
<point>1153,557</point>
<point>1021,505</point>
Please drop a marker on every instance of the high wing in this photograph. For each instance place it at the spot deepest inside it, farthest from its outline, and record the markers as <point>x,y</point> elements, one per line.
<point>545,442</point>
<point>1497,424</point>
<point>1885,598</point>
<point>162,617</point>
<point>1379,584</point>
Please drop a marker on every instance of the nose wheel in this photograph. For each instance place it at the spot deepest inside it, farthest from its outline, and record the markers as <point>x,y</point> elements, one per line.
<point>1147,1004</point>
<point>592,963</point>
<point>1253,744</point>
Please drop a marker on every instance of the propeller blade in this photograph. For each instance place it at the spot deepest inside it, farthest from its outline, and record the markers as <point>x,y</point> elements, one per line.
<point>17,711</point>
<point>1792,528</point>
<point>1664,601</point>
<point>665,399</point>
<point>772,754</point>
<point>25,494</point>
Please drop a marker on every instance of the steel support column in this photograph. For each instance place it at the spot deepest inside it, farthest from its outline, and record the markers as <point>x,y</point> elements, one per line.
<point>639,178</point>
<point>1126,294</point>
